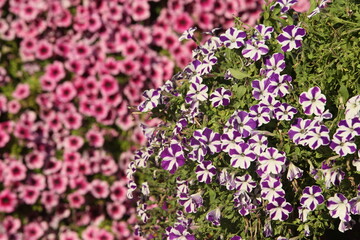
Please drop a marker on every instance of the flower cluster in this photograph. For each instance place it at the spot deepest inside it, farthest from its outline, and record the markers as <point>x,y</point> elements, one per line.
<point>247,147</point>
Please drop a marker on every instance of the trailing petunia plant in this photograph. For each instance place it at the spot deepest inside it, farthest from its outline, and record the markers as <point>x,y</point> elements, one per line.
<point>254,141</point>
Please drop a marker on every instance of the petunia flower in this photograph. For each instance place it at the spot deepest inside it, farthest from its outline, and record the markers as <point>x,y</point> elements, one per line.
<point>294,172</point>
<point>271,188</point>
<point>233,38</point>
<point>230,139</point>
<point>317,136</point>
<point>311,197</point>
<point>180,232</point>
<point>342,146</point>
<point>260,114</point>
<point>263,32</point>
<point>197,92</point>
<point>152,100</point>
<point>243,123</point>
<point>258,143</point>
<point>205,171</point>
<point>244,183</point>
<point>272,161</point>
<point>284,5</point>
<point>209,139</point>
<point>214,216</point>
<point>285,112</point>
<point>260,88</point>
<point>291,37</point>
<point>312,101</point>
<point>279,85</point>
<point>348,128</point>
<point>274,64</point>
<point>220,97</point>
<point>172,157</point>
<point>279,209</point>
<point>188,34</point>
<point>339,207</point>
<point>298,130</point>
<point>241,156</point>
<point>255,49</point>
<point>353,107</point>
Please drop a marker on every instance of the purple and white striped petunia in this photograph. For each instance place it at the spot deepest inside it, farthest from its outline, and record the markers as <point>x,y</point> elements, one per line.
<point>299,129</point>
<point>279,209</point>
<point>244,183</point>
<point>294,172</point>
<point>194,69</point>
<point>233,38</point>
<point>262,32</point>
<point>188,34</point>
<point>274,64</point>
<point>284,5</point>
<point>260,88</point>
<point>317,136</point>
<point>197,92</point>
<point>172,157</point>
<point>255,49</point>
<point>220,97</point>
<point>258,143</point>
<point>214,216</point>
<point>205,171</point>
<point>270,102</point>
<point>312,101</point>
<point>291,37</point>
<point>209,139</point>
<point>191,203</point>
<point>260,114</point>
<point>180,232</point>
<point>152,100</point>
<point>353,107</point>
<point>271,188</point>
<point>243,123</point>
<point>339,207</point>
<point>285,112</point>
<point>230,139</point>
<point>342,146</point>
<point>242,156</point>
<point>272,161</point>
<point>198,150</point>
<point>279,85</point>
<point>348,128</point>
<point>311,197</point>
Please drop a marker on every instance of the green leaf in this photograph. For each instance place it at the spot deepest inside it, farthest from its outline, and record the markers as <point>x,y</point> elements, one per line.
<point>238,74</point>
<point>344,93</point>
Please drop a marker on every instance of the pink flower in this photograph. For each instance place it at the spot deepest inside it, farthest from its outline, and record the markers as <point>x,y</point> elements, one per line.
<point>11,224</point>
<point>104,235</point>
<point>8,201</point>
<point>57,183</point>
<point>69,235</point>
<point>99,188</point>
<point>65,92</point>
<point>76,200</point>
<point>182,22</point>
<point>33,231</point>
<point>29,194</point>
<point>4,138</point>
<point>108,85</point>
<point>140,10</point>
<point>16,171</point>
<point>73,143</point>
<point>35,160</point>
<point>120,229</point>
<point>118,192</point>
<point>95,138</point>
<point>49,199</point>
<point>72,120</point>
<point>44,50</point>
<point>115,210</point>
<point>55,71</point>
<point>13,106</point>
<point>22,91</point>
<point>302,6</point>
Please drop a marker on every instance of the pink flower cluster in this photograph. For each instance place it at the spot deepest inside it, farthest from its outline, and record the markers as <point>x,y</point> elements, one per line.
<point>69,71</point>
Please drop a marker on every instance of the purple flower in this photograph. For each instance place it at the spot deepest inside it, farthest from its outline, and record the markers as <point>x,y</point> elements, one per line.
<point>285,112</point>
<point>191,203</point>
<point>243,203</point>
<point>299,129</point>
<point>208,62</point>
<point>241,156</point>
<point>220,96</point>
<point>173,157</point>
<point>279,209</point>
<point>205,172</point>
<point>342,146</point>
<point>180,126</point>
<point>198,150</point>
<point>268,231</point>
<point>180,232</point>
<point>270,102</point>
<point>263,32</point>
<point>311,197</point>
<point>131,187</point>
<point>339,207</point>
<point>355,205</point>
<point>197,92</point>
<point>271,188</point>
<point>303,213</point>
<point>230,140</point>
<point>214,216</point>
<point>260,88</point>
<point>284,5</point>
<point>317,136</point>
<point>294,172</point>
<point>272,161</point>
<point>255,49</point>
<point>274,64</point>
<point>260,114</point>
<point>236,238</point>
<point>188,34</point>
<point>279,85</point>
<point>245,183</point>
<point>312,101</point>
<point>353,107</point>
<point>152,100</point>
<point>194,69</point>
<point>233,38</point>
<point>348,128</point>
<point>243,123</point>
<point>291,37</point>
<point>258,143</point>
<point>209,139</point>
